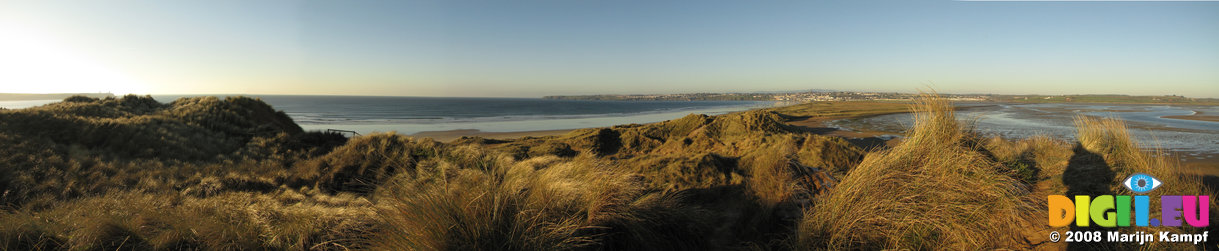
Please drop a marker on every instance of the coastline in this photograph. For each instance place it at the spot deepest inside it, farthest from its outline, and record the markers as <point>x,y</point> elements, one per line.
<point>810,120</point>
<point>450,135</point>
<point>332,185</point>
<point>1197,116</point>
<point>867,139</point>
<point>544,126</point>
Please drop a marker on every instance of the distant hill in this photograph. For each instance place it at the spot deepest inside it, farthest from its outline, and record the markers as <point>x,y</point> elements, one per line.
<point>1104,98</point>
<point>892,96</point>
<point>49,96</point>
<point>672,97</point>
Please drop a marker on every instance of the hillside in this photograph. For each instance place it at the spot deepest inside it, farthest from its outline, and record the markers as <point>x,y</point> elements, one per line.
<point>209,173</point>
<point>50,96</point>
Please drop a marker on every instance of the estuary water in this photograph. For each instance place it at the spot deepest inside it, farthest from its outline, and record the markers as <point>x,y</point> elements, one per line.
<point>1198,139</point>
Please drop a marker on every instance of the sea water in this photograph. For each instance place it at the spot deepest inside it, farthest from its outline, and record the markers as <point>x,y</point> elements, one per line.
<point>409,115</point>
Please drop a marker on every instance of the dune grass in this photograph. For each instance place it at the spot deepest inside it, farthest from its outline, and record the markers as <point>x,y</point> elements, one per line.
<point>542,203</point>
<point>231,221</point>
<point>1109,138</point>
<point>1105,147</point>
<point>934,190</point>
<point>205,173</point>
<point>945,187</point>
<point>1031,160</point>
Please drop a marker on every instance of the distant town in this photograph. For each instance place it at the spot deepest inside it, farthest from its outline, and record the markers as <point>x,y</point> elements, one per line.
<point>812,96</point>
<point>807,96</point>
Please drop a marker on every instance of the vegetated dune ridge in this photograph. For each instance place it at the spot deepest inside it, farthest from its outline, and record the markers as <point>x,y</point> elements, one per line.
<point>208,173</point>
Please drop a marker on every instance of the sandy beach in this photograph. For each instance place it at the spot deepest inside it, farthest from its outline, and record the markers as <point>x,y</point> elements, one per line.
<point>1197,116</point>
<point>450,135</point>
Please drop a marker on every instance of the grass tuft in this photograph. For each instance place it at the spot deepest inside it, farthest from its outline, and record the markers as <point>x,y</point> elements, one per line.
<point>537,204</point>
<point>1106,154</point>
<point>934,190</point>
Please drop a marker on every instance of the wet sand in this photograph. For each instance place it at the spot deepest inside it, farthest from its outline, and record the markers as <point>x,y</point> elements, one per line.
<point>1197,116</point>
<point>450,135</point>
<point>1203,167</point>
<point>1201,164</point>
<point>818,126</point>
<point>865,138</point>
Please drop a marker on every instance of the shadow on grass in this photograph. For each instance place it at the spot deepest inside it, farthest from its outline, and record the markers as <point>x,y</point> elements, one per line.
<point>813,130</point>
<point>1210,181</point>
<point>1087,174</point>
<point>738,220</point>
<point>869,144</point>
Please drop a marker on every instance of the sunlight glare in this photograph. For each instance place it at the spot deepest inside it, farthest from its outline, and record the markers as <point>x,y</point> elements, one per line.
<point>32,62</point>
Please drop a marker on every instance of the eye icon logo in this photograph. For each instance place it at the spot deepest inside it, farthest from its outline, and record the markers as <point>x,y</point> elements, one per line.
<point>1141,183</point>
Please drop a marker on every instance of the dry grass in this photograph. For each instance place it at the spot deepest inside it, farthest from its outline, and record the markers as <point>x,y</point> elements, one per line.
<point>1031,160</point>
<point>1109,138</point>
<point>236,175</point>
<point>132,173</point>
<point>1106,148</point>
<point>21,231</point>
<point>537,204</point>
<point>774,174</point>
<point>750,172</point>
<point>362,164</point>
<point>231,221</point>
<point>934,190</point>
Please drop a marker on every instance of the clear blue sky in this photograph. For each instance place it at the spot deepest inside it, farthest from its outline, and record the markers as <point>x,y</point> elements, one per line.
<point>535,48</point>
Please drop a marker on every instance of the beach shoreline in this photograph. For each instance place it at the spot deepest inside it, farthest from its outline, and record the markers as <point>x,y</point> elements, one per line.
<point>450,135</point>
<point>867,139</point>
<point>1197,116</point>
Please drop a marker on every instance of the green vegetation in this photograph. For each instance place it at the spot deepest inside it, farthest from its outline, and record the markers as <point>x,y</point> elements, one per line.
<point>206,173</point>
<point>837,110</point>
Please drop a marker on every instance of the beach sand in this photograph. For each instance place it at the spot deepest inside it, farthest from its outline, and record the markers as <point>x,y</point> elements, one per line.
<point>450,135</point>
<point>1197,116</point>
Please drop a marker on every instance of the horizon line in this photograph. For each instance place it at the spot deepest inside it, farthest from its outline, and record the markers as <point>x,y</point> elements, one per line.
<point>603,94</point>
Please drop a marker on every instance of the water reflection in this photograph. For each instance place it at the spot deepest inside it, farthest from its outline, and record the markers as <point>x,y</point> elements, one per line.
<point>1017,121</point>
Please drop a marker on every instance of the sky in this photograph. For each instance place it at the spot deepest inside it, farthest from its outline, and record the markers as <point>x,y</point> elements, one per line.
<point>559,47</point>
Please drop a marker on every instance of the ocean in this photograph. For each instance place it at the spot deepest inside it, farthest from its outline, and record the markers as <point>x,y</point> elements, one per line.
<point>409,115</point>
<point>18,104</point>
